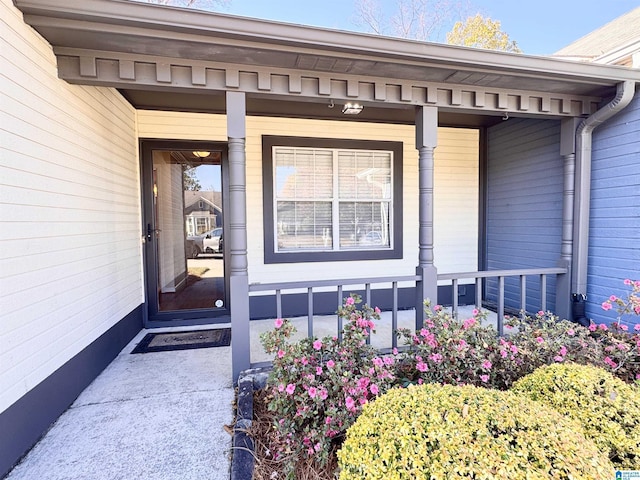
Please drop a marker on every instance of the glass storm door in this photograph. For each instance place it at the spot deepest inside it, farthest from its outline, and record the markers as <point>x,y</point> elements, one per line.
<point>184,239</point>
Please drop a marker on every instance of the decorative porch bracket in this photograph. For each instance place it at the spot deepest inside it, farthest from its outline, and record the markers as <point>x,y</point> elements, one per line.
<point>238,265</point>
<point>568,152</point>
<point>426,142</point>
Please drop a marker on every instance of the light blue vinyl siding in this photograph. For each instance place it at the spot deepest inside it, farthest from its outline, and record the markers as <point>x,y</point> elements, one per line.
<point>524,205</point>
<point>614,230</point>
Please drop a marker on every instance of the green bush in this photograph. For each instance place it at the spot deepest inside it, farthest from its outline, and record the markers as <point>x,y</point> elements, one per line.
<point>436,431</point>
<point>607,408</point>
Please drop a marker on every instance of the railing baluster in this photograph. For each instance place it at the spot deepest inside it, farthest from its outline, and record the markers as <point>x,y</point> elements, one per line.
<point>278,303</point>
<point>339,317</point>
<point>523,294</point>
<point>500,306</point>
<point>479,293</point>
<point>394,315</point>
<point>367,290</point>
<point>310,312</point>
<point>454,297</point>
<point>543,292</point>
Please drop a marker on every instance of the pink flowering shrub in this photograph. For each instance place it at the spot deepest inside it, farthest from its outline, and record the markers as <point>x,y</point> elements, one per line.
<point>318,386</point>
<point>456,352</point>
<point>449,351</point>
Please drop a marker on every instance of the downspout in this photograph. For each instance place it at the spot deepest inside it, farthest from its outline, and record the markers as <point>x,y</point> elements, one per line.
<point>624,94</point>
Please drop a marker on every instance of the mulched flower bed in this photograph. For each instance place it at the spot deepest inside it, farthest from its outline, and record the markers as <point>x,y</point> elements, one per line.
<point>266,442</point>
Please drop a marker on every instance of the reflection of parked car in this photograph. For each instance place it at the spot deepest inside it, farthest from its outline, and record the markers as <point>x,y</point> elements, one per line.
<point>371,238</point>
<point>207,242</point>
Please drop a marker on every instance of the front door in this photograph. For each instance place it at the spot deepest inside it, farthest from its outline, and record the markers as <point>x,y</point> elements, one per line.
<point>184,228</point>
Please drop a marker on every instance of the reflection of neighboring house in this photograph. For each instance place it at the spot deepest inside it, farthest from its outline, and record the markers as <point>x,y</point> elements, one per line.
<point>202,211</point>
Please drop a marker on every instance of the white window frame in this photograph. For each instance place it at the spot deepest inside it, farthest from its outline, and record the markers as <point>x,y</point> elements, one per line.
<point>335,201</point>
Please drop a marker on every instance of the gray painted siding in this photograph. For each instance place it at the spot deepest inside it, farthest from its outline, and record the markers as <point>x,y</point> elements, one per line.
<point>614,249</point>
<point>524,205</point>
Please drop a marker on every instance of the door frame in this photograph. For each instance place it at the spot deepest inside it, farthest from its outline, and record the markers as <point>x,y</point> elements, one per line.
<point>152,318</point>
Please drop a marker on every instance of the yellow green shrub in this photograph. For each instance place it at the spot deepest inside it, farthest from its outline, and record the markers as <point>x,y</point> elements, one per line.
<point>607,408</point>
<point>448,432</point>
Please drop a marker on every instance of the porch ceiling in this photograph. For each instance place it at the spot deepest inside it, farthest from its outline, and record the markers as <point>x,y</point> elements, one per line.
<point>112,42</point>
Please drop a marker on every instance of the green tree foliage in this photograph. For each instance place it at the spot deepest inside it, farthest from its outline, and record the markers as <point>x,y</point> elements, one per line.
<point>481,32</point>
<point>190,180</point>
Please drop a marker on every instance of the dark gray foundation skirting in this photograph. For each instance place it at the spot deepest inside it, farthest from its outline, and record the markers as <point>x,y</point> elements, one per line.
<point>29,418</point>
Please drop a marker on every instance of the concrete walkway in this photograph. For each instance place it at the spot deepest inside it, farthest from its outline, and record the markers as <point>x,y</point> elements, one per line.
<point>160,416</point>
<point>152,416</point>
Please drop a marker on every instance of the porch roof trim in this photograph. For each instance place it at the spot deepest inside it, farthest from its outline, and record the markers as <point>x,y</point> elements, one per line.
<point>130,31</point>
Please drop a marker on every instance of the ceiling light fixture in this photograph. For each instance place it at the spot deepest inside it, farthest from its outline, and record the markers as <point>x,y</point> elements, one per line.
<point>352,108</point>
<point>201,154</point>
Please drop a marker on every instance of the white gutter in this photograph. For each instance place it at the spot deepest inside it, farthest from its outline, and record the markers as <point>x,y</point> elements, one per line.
<point>624,95</point>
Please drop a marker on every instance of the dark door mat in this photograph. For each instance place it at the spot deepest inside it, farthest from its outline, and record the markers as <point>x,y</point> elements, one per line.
<point>165,342</point>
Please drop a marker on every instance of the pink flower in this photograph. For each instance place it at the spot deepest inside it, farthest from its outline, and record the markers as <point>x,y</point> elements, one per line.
<point>318,370</point>
<point>378,362</point>
<point>281,388</point>
<point>317,345</point>
<point>331,364</point>
<point>636,327</point>
<point>484,378</point>
<point>602,326</point>
<point>377,310</point>
<point>323,394</point>
<point>571,332</point>
<point>475,312</point>
<point>291,388</point>
<point>563,351</point>
<point>558,358</point>
<point>328,420</point>
<point>349,402</point>
<point>539,339</point>
<point>395,350</point>
<point>304,361</point>
<point>624,328</point>
<point>435,357</point>
<point>593,327</point>
<point>437,308</point>
<point>627,281</point>
<point>350,301</point>
<point>374,389</point>
<point>541,312</point>
<point>613,298</point>
<point>312,392</point>
<point>610,362</point>
<point>467,324</point>
<point>281,353</point>
<point>514,348</point>
<point>503,353</point>
<point>278,323</point>
<point>487,365</point>
<point>606,305</point>
<point>422,367</point>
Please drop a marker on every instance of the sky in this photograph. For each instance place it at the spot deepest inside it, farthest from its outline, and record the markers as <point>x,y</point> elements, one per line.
<point>539,27</point>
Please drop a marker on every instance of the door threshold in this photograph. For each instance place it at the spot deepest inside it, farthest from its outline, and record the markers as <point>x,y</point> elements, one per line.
<point>195,323</point>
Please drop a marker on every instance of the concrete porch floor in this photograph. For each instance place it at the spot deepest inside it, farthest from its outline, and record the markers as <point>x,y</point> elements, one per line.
<point>152,416</point>
<point>160,416</point>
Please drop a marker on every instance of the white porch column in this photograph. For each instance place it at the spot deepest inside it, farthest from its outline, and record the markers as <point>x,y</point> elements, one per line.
<point>237,237</point>
<point>568,152</point>
<point>426,142</point>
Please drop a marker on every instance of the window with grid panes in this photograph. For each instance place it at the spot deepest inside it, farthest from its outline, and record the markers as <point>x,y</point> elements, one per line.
<point>330,199</point>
